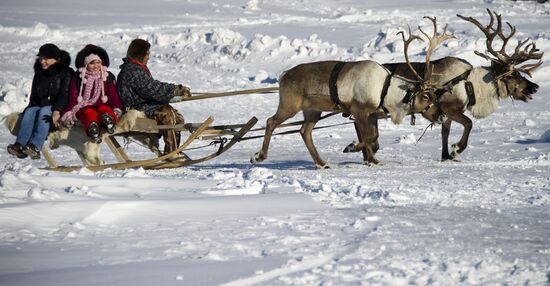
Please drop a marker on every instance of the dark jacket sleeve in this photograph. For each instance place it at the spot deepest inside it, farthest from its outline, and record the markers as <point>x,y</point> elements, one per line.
<point>62,96</point>
<point>152,89</point>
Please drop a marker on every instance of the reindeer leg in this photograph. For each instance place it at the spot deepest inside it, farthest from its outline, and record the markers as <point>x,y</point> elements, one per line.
<point>272,122</point>
<point>461,145</point>
<point>310,119</point>
<point>372,135</point>
<point>364,127</point>
<point>445,131</point>
<point>355,146</point>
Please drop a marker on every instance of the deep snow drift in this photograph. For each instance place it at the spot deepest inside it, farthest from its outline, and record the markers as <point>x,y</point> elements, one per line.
<point>411,220</point>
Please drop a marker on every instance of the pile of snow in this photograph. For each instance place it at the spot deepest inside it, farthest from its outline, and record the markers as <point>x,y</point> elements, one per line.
<point>14,97</point>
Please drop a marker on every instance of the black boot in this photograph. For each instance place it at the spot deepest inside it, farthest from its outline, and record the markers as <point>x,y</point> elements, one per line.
<point>108,122</point>
<point>16,150</point>
<point>31,151</point>
<point>93,132</point>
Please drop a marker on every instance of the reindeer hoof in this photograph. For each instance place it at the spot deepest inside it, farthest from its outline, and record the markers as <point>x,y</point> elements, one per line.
<point>350,148</point>
<point>446,157</point>
<point>257,158</point>
<point>372,162</point>
<point>454,157</point>
<point>450,158</point>
<point>322,166</point>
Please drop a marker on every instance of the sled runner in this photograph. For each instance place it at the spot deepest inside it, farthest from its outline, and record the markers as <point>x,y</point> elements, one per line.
<point>174,159</point>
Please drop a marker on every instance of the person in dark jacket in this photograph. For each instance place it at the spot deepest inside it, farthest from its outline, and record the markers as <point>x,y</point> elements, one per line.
<point>93,96</point>
<point>139,90</point>
<point>49,95</point>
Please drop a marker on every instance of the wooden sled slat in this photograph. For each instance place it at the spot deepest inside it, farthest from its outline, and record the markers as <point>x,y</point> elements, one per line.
<point>115,147</point>
<point>182,162</point>
<point>139,163</point>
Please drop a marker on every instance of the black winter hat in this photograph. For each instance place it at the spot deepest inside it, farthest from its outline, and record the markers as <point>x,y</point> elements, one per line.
<point>49,51</point>
<point>91,49</point>
<point>138,49</point>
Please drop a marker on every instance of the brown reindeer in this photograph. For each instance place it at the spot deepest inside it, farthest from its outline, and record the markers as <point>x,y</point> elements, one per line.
<point>477,90</point>
<point>481,91</point>
<point>359,88</point>
<point>443,73</point>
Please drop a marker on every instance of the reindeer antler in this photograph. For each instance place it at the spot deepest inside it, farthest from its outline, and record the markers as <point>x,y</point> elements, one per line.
<point>425,83</point>
<point>501,57</point>
<point>434,41</point>
<point>406,43</point>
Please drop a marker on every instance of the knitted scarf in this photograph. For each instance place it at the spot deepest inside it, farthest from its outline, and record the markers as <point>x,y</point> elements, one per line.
<point>91,82</point>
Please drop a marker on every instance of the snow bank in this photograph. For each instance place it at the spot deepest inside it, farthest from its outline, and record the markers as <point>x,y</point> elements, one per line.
<point>14,96</point>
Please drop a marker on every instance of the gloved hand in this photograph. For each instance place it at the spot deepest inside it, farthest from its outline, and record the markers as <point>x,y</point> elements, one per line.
<point>182,91</point>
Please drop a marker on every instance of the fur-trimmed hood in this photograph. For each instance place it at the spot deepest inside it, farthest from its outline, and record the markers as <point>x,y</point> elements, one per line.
<point>63,64</point>
<point>91,49</point>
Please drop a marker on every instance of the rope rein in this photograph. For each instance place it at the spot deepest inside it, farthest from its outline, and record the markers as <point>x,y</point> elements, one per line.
<point>431,125</point>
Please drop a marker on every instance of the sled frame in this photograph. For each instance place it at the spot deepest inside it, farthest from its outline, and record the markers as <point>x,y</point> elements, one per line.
<point>174,159</point>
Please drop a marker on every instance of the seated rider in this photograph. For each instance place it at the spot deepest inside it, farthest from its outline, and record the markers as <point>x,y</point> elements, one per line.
<point>139,90</point>
<point>93,97</point>
<point>49,93</point>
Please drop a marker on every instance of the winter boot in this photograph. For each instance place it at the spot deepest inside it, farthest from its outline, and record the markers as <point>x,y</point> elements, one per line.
<point>17,150</point>
<point>93,132</point>
<point>31,151</point>
<point>108,122</point>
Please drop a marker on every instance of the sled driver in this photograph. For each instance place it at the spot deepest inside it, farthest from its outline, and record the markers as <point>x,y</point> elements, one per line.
<point>139,90</point>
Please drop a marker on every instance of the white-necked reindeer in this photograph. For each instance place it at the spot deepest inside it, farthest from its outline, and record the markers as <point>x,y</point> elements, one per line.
<point>482,90</point>
<point>479,90</point>
<point>361,88</point>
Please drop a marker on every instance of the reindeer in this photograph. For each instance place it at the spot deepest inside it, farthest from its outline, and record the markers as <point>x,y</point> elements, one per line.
<point>481,91</point>
<point>360,88</point>
<point>477,90</point>
<point>444,74</point>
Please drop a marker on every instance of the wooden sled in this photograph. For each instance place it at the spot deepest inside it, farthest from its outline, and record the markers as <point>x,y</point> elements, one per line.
<point>142,127</point>
<point>174,159</point>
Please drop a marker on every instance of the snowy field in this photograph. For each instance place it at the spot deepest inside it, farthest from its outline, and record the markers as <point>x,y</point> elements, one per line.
<point>412,220</point>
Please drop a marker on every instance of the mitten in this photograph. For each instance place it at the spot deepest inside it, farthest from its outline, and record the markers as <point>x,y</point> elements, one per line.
<point>182,91</point>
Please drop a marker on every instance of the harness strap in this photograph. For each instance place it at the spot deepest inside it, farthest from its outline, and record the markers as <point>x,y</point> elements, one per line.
<point>332,86</point>
<point>470,92</point>
<point>385,92</point>
<point>408,97</point>
<point>448,86</point>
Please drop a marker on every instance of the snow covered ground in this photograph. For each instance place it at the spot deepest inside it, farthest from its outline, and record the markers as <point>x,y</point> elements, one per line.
<point>413,220</point>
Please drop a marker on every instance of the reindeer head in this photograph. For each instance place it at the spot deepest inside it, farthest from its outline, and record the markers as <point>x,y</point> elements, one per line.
<point>507,73</point>
<point>423,89</point>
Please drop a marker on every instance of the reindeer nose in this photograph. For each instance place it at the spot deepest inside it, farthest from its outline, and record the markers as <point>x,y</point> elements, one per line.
<point>533,88</point>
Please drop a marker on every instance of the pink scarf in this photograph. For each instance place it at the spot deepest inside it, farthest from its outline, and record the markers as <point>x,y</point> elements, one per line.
<point>91,81</point>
